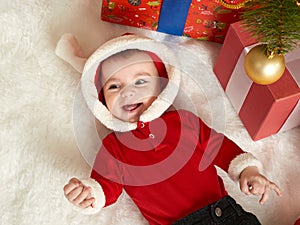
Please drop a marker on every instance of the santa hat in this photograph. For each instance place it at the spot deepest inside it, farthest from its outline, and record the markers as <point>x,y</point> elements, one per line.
<point>165,61</point>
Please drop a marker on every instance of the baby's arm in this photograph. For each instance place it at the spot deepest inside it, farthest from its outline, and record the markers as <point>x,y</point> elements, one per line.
<point>252,182</point>
<point>245,169</point>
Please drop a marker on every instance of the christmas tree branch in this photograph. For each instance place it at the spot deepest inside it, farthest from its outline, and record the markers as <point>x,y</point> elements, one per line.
<point>273,22</point>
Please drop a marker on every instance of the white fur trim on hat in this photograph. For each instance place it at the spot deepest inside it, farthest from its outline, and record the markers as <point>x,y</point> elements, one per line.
<point>97,193</point>
<point>162,102</point>
<point>239,163</point>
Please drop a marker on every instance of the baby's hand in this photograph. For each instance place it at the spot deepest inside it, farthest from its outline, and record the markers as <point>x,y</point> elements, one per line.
<point>252,182</point>
<point>78,194</point>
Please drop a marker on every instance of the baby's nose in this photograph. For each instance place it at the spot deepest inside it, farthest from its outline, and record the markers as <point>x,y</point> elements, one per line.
<point>127,92</point>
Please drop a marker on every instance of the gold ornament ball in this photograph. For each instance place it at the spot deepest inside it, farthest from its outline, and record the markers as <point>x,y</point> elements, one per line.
<point>260,68</point>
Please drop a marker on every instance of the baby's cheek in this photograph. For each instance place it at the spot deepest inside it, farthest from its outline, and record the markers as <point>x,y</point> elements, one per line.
<point>111,103</point>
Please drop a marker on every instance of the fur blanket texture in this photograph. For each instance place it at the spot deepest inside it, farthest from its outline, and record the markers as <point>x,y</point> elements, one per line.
<point>39,148</point>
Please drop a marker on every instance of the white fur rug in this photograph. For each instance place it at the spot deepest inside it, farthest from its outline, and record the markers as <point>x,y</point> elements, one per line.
<point>39,150</point>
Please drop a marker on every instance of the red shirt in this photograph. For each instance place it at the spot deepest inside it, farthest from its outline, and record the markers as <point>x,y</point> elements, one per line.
<point>166,166</point>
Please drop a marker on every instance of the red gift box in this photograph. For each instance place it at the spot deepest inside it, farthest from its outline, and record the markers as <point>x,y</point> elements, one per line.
<point>203,20</point>
<point>263,109</point>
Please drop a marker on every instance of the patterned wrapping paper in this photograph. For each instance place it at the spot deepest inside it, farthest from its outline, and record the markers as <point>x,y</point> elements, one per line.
<point>132,13</point>
<point>200,19</point>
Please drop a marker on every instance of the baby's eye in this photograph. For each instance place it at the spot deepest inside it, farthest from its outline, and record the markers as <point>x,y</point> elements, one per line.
<point>113,86</point>
<point>140,81</point>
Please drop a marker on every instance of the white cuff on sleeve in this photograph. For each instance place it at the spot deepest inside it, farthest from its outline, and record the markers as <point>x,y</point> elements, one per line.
<point>239,163</point>
<point>97,193</point>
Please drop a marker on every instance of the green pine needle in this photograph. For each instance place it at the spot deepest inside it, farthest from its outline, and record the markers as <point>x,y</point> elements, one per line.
<point>273,22</point>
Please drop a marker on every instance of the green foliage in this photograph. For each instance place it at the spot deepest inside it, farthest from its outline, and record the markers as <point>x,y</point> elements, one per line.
<point>274,22</point>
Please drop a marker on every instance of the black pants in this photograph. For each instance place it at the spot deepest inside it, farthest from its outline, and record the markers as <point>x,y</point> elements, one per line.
<point>224,212</point>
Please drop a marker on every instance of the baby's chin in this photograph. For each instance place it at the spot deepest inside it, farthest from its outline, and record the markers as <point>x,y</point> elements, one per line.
<point>133,119</point>
<point>129,120</point>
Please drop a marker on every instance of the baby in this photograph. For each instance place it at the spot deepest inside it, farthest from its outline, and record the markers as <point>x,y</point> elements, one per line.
<point>154,151</point>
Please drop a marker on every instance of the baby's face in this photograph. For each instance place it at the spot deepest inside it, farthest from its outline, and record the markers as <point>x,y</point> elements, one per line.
<point>131,84</point>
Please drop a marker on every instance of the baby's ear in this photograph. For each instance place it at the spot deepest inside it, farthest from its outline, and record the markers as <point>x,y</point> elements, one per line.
<point>70,51</point>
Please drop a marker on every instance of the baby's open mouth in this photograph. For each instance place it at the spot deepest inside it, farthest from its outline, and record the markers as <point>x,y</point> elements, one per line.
<point>131,107</point>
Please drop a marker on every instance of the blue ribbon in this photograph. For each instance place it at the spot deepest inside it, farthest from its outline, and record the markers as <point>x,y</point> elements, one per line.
<point>173,15</point>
